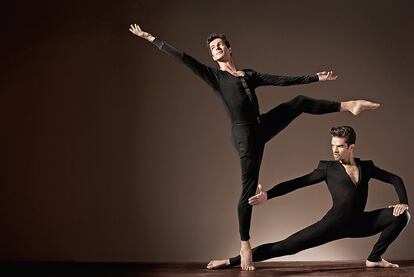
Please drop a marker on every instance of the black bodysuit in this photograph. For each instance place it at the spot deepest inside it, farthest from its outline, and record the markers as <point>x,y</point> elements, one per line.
<point>250,129</point>
<point>346,218</point>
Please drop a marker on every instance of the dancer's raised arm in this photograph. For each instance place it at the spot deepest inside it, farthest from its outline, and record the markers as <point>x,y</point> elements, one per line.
<point>207,73</point>
<point>276,80</point>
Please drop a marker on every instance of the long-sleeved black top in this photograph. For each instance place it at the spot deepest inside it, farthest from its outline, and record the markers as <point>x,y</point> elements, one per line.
<point>237,93</point>
<point>349,199</point>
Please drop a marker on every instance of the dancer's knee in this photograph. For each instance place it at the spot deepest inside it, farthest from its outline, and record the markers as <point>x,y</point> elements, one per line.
<point>249,188</point>
<point>404,218</point>
<point>244,200</point>
<point>300,98</point>
<point>243,204</point>
<point>300,102</point>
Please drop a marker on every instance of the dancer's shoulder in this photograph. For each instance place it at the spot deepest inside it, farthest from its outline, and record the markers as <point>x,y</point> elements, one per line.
<point>366,162</point>
<point>324,164</point>
<point>326,161</point>
<point>249,72</point>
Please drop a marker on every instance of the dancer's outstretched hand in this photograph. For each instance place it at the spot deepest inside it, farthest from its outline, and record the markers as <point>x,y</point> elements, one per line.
<point>398,209</point>
<point>326,76</point>
<point>259,198</point>
<point>136,30</point>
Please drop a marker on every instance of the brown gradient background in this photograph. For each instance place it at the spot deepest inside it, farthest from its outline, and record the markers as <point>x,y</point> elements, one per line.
<point>112,151</point>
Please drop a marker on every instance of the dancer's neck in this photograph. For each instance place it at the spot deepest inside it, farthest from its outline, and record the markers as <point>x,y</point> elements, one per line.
<point>228,66</point>
<point>350,161</point>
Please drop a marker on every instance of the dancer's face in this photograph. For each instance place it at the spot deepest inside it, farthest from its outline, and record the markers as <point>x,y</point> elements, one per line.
<point>341,150</point>
<point>219,50</point>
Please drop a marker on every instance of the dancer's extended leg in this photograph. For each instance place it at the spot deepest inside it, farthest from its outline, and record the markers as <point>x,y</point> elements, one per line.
<point>313,235</point>
<point>281,116</point>
<point>316,234</point>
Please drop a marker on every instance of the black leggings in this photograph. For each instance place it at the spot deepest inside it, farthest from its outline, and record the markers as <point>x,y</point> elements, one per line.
<point>249,140</point>
<point>330,228</point>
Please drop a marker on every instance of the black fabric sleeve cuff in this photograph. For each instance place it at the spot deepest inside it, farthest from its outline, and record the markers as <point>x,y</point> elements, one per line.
<point>158,42</point>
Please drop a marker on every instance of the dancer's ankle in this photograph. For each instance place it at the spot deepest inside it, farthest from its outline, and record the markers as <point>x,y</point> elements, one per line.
<point>245,245</point>
<point>345,106</point>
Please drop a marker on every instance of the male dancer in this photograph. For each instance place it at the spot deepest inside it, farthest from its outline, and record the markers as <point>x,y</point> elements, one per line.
<point>250,129</point>
<point>347,179</point>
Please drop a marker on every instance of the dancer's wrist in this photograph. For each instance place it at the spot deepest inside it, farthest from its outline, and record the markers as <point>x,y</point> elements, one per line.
<point>149,37</point>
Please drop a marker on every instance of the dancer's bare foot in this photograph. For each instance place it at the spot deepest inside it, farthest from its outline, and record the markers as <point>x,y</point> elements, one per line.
<point>357,106</point>
<point>246,262</point>
<point>382,263</point>
<point>218,264</point>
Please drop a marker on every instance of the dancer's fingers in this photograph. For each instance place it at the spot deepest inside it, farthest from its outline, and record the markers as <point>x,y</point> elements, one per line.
<point>398,210</point>
<point>254,202</point>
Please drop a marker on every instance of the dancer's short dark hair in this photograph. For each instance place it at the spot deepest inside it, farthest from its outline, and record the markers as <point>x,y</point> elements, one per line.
<point>346,132</point>
<point>213,36</point>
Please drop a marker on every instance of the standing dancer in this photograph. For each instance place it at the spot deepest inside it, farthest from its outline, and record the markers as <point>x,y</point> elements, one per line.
<point>347,178</point>
<point>250,129</point>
